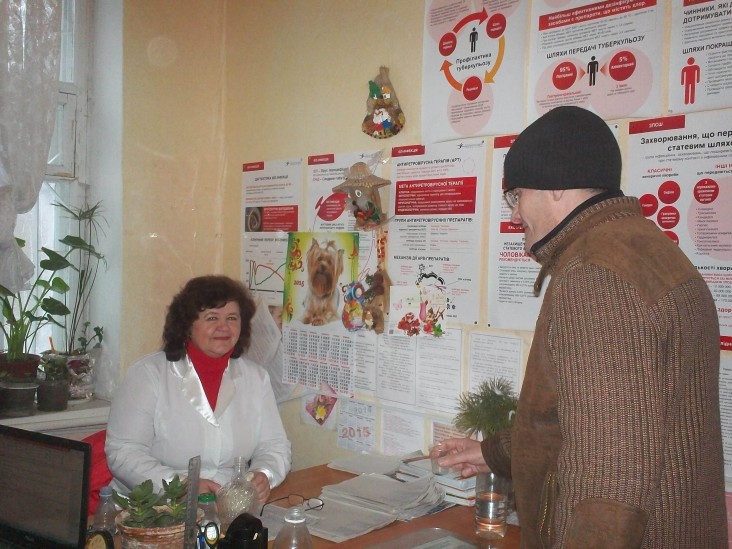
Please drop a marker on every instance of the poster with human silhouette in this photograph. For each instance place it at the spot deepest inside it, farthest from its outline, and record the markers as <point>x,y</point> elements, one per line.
<point>473,68</point>
<point>700,56</point>
<point>603,56</point>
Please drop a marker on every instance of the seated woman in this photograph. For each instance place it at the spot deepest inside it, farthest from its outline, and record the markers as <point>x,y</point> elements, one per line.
<point>199,396</point>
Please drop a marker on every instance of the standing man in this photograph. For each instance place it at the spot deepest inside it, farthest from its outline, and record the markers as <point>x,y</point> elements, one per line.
<point>617,441</point>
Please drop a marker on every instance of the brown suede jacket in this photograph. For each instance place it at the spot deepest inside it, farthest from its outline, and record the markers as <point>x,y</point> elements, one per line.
<point>617,441</point>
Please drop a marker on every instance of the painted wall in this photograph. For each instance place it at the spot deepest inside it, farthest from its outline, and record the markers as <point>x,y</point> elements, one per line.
<point>210,84</point>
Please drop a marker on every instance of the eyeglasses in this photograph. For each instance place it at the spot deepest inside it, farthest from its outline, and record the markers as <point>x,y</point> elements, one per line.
<point>293,500</point>
<point>512,198</point>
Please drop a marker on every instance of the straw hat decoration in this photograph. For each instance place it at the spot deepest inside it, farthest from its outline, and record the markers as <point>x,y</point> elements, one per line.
<point>362,188</point>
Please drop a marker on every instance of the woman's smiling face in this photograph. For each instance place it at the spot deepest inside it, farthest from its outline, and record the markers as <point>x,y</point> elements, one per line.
<point>216,331</point>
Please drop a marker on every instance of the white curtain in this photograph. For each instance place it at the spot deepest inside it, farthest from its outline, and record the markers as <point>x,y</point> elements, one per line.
<point>30,43</point>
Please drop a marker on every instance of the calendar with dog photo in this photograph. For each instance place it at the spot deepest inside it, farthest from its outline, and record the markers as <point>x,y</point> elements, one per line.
<point>319,266</point>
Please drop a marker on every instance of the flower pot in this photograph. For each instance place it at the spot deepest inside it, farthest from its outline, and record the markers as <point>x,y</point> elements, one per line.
<point>20,370</point>
<point>165,537</point>
<point>16,398</point>
<point>53,395</point>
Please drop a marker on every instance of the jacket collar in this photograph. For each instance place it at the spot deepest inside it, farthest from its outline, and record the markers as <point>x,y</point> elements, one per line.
<point>598,209</point>
<point>193,390</point>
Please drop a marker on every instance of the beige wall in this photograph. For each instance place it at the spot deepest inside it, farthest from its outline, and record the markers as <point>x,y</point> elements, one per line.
<point>210,84</point>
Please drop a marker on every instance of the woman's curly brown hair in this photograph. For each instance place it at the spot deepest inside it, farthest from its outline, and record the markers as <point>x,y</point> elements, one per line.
<point>199,294</point>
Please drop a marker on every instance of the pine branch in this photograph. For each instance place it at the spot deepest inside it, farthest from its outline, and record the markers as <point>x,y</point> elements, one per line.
<point>488,410</point>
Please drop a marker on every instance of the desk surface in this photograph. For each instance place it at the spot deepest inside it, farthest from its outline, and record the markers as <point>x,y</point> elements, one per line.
<point>458,519</point>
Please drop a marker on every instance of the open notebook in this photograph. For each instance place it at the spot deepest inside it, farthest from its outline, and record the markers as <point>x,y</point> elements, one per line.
<point>44,482</point>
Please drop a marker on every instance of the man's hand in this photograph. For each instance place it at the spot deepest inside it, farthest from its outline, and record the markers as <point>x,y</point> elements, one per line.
<point>463,454</point>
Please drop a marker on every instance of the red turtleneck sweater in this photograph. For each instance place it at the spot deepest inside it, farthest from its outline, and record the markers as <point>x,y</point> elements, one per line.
<point>210,370</point>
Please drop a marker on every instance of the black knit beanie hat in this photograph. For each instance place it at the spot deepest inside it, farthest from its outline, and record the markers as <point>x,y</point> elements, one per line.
<point>566,148</point>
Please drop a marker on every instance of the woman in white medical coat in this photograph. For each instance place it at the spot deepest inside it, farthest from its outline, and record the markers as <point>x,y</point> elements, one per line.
<point>199,396</point>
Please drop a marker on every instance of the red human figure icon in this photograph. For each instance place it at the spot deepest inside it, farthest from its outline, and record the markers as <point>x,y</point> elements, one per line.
<point>690,76</point>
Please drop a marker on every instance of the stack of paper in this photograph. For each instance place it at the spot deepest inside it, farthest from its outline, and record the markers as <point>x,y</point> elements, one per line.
<point>458,489</point>
<point>367,502</point>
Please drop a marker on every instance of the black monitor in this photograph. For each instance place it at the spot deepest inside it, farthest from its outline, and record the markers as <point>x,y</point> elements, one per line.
<point>44,490</point>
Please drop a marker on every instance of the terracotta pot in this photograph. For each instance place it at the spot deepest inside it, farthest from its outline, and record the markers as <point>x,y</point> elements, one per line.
<point>53,395</point>
<point>20,370</point>
<point>16,398</point>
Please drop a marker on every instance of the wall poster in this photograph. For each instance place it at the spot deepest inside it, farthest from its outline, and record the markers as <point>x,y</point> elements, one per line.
<point>681,169</point>
<point>603,56</point>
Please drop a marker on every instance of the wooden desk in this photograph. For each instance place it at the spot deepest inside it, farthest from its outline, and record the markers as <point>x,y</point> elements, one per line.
<point>458,519</point>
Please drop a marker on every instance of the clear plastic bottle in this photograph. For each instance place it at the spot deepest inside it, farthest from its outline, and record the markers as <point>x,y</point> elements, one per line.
<point>237,496</point>
<point>294,534</point>
<point>209,524</point>
<point>106,512</point>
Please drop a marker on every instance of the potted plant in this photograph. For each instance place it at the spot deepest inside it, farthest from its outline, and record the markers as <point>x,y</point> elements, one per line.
<point>68,371</point>
<point>153,521</point>
<point>25,312</point>
<point>488,410</point>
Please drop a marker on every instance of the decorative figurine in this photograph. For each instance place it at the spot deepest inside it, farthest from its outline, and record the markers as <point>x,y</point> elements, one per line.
<point>384,117</point>
<point>364,201</point>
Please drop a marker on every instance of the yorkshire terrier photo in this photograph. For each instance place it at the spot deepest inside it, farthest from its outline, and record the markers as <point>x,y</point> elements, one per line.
<point>324,267</point>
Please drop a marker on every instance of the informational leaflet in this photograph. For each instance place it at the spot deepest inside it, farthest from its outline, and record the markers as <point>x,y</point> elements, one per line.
<point>271,194</point>
<point>681,169</point>
<point>511,271</point>
<point>438,372</point>
<point>434,233</point>
<point>603,56</point>
<point>420,373</point>
<point>470,86</point>
<point>401,432</point>
<point>700,56</point>
<point>493,356</point>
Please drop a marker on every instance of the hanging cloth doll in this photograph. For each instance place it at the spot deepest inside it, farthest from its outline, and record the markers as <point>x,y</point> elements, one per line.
<point>384,117</point>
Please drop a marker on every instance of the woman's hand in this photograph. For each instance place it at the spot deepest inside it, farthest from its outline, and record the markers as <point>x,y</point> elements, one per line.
<point>206,485</point>
<point>463,454</point>
<point>261,485</point>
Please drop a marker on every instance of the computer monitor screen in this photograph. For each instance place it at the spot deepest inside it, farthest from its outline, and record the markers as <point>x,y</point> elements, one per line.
<point>44,484</point>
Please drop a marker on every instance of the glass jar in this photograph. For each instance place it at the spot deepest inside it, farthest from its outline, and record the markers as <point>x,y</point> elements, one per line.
<point>237,496</point>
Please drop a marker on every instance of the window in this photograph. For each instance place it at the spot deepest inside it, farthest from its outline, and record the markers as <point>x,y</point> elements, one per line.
<point>66,172</point>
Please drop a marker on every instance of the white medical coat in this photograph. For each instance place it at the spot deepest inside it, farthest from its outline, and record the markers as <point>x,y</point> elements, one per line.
<point>160,418</point>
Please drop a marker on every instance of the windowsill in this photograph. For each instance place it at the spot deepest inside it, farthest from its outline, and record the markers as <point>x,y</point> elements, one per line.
<point>79,414</point>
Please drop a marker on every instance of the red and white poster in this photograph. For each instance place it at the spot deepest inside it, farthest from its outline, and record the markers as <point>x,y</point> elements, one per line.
<point>700,56</point>
<point>472,68</point>
<point>603,56</point>
<point>271,195</point>
<point>434,233</point>
<point>681,169</point>
<point>512,304</point>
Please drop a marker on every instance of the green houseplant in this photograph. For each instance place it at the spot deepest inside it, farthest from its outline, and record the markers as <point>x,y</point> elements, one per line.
<point>58,295</point>
<point>153,520</point>
<point>488,410</point>
<point>24,313</point>
<point>69,370</point>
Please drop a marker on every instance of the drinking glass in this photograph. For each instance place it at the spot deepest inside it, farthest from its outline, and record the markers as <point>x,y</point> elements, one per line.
<point>492,494</point>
